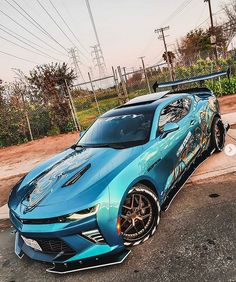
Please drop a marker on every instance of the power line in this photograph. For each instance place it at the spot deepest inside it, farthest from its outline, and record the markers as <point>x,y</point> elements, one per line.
<point>76,38</point>
<point>201,15</point>
<point>11,55</point>
<point>24,38</point>
<point>45,54</point>
<point>41,5</point>
<point>159,54</point>
<point>202,23</point>
<point>92,21</point>
<point>34,23</point>
<point>5,14</point>
<point>217,12</point>
<point>27,49</point>
<point>177,11</point>
<point>98,53</point>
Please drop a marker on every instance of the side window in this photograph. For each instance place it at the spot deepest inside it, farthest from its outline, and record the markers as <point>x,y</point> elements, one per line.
<point>174,112</point>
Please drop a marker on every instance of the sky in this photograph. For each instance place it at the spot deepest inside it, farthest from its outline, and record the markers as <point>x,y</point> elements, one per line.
<point>125,29</point>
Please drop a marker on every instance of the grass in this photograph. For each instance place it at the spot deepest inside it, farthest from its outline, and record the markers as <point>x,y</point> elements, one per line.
<point>89,115</point>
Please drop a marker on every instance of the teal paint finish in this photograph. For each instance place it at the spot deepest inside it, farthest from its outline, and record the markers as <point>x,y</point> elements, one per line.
<point>113,171</point>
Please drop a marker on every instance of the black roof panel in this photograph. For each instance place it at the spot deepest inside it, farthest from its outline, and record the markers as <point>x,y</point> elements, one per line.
<point>140,104</point>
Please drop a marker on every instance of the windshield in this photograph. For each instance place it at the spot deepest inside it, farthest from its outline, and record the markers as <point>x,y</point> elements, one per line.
<point>123,130</point>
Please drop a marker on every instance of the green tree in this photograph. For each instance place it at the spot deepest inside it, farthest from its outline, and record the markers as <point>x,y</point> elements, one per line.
<point>197,45</point>
<point>12,120</point>
<point>48,91</point>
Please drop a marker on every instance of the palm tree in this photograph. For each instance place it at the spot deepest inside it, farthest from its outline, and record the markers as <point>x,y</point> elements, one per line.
<point>171,57</point>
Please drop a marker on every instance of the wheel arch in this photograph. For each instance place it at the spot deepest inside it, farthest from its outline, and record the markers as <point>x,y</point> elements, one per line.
<point>145,181</point>
<point>151,191</point>
<point>215,115</point>
<point>150,185</point>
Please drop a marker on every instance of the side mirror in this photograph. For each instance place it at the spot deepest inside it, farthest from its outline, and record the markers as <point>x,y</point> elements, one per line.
<point>169,127</point>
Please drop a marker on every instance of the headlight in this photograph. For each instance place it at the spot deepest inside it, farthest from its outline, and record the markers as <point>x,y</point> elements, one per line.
<point>65,218</point>
<point>83,214</point>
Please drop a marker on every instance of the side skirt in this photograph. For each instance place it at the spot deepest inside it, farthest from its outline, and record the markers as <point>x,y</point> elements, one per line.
<point>184,177</point>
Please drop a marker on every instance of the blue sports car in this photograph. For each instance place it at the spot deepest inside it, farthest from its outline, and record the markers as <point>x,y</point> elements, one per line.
<point>86,206</point>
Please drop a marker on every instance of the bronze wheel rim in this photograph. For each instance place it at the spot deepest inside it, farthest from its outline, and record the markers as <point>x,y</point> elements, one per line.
<point>218,136</point>
<point>136,216</point>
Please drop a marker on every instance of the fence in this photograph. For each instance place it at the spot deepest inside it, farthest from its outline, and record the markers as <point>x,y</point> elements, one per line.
<point>26,114</point>
<point>97,96</point>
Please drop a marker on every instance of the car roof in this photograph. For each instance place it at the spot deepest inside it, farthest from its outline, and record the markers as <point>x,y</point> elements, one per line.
<point>142,104</point>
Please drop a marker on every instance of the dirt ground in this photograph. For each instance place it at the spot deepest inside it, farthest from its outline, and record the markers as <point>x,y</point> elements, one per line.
<point>17,160</point>
<point>227,104</point>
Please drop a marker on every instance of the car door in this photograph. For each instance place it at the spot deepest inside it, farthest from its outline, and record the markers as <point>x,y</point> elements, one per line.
<point>174,143</point>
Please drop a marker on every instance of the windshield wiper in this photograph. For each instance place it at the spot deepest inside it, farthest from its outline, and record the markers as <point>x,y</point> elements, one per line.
<point>107,145</point>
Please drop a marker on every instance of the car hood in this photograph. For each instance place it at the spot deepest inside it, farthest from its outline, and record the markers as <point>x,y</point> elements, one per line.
<point>44,185</point>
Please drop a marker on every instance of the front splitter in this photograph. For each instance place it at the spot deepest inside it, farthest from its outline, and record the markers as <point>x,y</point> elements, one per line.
<point>100,261</point>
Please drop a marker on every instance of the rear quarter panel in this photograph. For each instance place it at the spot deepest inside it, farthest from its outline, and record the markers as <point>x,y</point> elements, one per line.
<point>207,109</point>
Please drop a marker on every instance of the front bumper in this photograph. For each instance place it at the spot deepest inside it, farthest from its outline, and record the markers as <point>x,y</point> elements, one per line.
<point>66,263</point>
<point>68,246</point>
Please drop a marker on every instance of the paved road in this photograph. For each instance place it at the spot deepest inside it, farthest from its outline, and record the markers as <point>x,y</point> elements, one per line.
<point>196,241</point>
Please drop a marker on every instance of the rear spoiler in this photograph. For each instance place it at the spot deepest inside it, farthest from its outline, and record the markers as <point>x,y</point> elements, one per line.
<point>200,79</point>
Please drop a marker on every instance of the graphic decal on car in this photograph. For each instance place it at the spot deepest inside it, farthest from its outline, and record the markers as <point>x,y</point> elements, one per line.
<point>85,205</point>
<point>185,142</point>
<point>43,185</point>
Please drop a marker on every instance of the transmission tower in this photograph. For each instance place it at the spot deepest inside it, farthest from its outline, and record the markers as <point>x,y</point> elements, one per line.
<point>98,60</point>
<point>74,56</point>
<point>97,53</point>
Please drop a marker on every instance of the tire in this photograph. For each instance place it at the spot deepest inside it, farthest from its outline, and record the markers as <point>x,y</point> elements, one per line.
<point>140,215</point>
<point>217,135</point>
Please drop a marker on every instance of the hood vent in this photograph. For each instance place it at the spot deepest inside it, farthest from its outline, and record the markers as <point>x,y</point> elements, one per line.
<point>77,176</point>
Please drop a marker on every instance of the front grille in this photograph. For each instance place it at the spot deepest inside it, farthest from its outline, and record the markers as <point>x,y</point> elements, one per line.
<point>54,246</point>
<point>95,236</point>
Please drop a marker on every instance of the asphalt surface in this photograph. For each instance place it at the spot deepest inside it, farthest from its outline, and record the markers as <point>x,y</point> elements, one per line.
<point>195,241</point>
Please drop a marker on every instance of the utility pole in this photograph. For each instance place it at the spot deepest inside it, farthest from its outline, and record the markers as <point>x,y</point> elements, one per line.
<point>117,86</point>
<point>145,74</point>
<point>94,93</point>
<point>72,108</point>
<point>213,35</point>
<point>124,70</point>
<point>27,116</point>
<point>126,97</point>
<point>24,82</point>
<point>162,36</point>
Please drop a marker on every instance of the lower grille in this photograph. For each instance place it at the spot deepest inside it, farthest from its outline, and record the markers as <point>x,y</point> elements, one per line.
<point>54,246</point>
